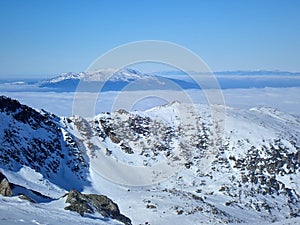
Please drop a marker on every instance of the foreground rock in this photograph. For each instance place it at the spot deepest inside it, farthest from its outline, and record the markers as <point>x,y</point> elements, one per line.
<point>91,203</point>
<point>5,188</point>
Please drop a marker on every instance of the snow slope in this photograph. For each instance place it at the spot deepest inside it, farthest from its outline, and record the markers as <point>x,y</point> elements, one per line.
<point>250,177</point>
<point>16,211</point>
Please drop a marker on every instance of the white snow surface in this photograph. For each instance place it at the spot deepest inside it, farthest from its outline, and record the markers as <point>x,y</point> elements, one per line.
<point>14,211</point>
<point>100,76</point>
<point>174,200</point>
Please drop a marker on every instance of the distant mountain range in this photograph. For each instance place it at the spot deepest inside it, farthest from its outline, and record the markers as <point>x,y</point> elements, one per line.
<point>258,72</point>
<point>234,72</point>
<point>131,79</point>
<point>163,80</point>
<point>112,81</point>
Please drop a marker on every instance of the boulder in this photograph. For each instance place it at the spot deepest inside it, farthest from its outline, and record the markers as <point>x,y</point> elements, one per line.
<point>5,187</point>
<point>91,203</point>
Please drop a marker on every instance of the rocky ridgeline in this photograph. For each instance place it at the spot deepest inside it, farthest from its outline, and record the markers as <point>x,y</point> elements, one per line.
<point>36,140</point>
<point>254,180</point>
<point>134,133</point>
<point>245,173</point>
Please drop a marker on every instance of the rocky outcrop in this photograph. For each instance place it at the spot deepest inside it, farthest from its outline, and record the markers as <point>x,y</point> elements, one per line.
<point>25,197</point>
<point>92,203</point>
<point>38,140</point>
<point>5,188</point>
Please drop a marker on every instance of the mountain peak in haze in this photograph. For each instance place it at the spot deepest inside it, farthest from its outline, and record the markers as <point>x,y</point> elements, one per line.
<point>125,74</point>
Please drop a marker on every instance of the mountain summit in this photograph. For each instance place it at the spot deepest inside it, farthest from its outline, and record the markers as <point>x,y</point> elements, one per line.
<point>112,80</point>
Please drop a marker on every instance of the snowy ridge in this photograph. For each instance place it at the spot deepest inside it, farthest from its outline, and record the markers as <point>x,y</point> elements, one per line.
<point>65,76</point>
<point>112,80</point>
<point>98,76</point>
<point>253,177</point>
<point>37,141</point>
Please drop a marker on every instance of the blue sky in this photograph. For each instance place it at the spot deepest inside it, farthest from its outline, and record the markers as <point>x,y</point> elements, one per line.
<point>39,37</point>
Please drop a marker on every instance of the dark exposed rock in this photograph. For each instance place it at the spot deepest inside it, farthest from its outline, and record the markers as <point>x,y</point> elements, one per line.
<point>5,187</point>
<point>25,197</point>
<point>91,203</point>
<point>36,140</point>
<point>263,166</point>
<point>10,189</point>
<point>150,206</point>
<point>123,128</point>
<point>113,138</point>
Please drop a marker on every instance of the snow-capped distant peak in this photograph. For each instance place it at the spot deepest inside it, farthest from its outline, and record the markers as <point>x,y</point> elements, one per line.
<point>100,76</point>
<point>65,76</point>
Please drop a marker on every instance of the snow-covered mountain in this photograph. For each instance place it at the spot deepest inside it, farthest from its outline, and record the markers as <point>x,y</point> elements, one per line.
<point>251,176</point>
<point>113,81</point>
<point>37,141</point>
<point>99,76</point>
